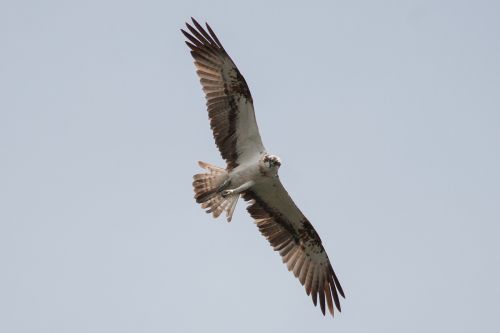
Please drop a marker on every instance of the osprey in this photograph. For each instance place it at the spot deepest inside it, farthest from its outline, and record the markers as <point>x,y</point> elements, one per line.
<point>252,172</point>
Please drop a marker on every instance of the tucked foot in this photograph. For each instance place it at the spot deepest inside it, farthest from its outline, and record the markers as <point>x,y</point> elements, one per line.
<point>226,193</point>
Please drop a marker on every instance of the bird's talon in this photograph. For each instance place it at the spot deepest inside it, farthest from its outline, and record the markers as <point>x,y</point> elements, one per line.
<point>225,193</point>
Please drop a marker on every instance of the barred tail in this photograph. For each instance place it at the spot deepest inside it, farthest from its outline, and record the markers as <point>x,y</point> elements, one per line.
<point>208,188</point>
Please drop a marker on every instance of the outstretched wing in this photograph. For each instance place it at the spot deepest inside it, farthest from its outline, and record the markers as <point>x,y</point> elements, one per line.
<point>229,102</point>
<point>292,235</point>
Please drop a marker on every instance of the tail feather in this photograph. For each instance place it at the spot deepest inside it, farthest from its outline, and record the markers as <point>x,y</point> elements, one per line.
<point>208,187</point>
<point>231,206</point>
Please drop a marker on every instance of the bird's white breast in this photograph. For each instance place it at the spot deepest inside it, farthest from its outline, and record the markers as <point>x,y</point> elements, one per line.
<point>245,172</point>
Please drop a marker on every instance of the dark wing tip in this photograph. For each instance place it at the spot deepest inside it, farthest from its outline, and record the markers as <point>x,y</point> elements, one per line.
<point>208,38</point>
<point>188,25</point>
<point>214,36</point>
<point>322,305</point>
<point>196,24</point>
<point>337,283</point>
<point>194,21</point>
<point>185,33</point>
<point>341,292</point>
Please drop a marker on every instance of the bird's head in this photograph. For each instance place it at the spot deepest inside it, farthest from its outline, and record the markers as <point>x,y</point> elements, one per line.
<point>271,163</point>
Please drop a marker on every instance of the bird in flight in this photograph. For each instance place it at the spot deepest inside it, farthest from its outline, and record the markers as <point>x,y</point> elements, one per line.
<point>252,173</point>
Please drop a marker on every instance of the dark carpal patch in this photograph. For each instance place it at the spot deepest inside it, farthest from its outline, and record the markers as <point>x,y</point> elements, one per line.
<point>224,87</point>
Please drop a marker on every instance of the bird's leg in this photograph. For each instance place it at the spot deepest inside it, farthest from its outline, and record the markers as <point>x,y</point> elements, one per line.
<point>239,189</point>
<point>223,185</point>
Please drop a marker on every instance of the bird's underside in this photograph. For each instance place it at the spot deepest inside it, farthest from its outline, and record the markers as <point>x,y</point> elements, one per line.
<point>252,173</point>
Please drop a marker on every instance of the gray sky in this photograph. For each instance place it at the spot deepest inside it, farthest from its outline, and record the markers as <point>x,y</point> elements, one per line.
<point>386,115</point>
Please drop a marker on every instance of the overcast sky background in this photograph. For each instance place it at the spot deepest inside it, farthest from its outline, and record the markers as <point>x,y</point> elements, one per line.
<point>386,115</point>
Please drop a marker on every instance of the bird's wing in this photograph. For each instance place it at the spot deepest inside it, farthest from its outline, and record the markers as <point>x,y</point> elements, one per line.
<point>292,235</point>
<point>229,102</point>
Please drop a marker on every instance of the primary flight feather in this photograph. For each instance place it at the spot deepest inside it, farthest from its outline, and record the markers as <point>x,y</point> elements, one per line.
<point>252,172</point>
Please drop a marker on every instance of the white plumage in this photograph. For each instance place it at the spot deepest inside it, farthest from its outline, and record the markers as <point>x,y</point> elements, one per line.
<point>252,173</point>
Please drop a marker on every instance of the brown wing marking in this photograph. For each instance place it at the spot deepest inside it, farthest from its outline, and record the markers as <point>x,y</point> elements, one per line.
<point>301,250</point>
<point>226,91</point>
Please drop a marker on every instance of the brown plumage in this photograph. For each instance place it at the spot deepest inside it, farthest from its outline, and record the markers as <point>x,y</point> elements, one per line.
<point>207,188</point>
<point>300,250</point>
<point>224,88</point>
<point>253,173</point>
